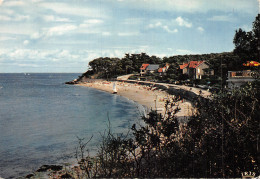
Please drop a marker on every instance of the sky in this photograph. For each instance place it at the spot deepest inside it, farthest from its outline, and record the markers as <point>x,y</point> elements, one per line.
<point>64,35</point>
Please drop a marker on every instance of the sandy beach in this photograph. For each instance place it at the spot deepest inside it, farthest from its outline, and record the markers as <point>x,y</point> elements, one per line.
<point>151,97</point>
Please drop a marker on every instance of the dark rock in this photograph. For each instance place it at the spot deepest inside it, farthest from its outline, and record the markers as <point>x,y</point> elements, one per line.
<point>29,176</point>
<point>70,82</point>
<point>44,168</point>
<point>66,176</point>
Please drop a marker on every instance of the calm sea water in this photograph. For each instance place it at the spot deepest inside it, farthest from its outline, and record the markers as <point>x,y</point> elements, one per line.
<point>40,118</point>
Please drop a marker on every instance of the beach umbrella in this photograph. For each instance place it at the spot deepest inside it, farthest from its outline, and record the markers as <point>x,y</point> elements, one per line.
<point>251,64</point>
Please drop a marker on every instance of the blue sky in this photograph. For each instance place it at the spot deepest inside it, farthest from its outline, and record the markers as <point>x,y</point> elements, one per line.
<point>64,35</point>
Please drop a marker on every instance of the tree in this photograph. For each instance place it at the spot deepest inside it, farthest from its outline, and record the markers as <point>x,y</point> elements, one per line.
<point>247,45</point>
<point>225,132</point>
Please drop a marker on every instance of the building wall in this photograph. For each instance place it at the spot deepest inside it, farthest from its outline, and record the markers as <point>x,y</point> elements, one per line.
<point>142,72</point>
<point>199,70</point>
<point>185,70</point>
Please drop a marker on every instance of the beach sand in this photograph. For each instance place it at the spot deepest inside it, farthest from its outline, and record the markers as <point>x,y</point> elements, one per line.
<point>152,98</point>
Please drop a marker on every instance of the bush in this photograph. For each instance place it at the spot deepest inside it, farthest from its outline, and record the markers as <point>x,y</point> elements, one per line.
<point>220,140</point>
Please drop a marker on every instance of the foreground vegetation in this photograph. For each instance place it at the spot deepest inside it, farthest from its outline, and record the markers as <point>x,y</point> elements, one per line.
<point>220,140</point>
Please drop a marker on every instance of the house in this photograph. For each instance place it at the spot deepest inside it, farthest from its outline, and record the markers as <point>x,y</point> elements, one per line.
<point>163,70</point>
<point>148,68</point>
<point>196,69</point>
<point>238,78</point>
<point>143,69</point>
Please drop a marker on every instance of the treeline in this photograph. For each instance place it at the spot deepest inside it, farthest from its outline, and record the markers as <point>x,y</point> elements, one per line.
<point>106,67</point>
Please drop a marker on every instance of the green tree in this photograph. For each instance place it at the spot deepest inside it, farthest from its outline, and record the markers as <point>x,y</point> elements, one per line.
<point>225,133</point>
<point>247,44</point>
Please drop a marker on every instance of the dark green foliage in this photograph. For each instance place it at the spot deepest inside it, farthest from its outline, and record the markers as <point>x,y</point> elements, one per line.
<point>220,140</point>
<point>107,67</point>
<point>226,133</point>
<point>87,74</point>
<point>247,44</point>
<point>112,67</point>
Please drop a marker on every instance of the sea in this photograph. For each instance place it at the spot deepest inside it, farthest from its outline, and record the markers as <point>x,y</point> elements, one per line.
<point>41,119</point>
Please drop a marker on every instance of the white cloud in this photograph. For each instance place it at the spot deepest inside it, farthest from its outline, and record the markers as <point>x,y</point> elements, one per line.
<point>51,18</point>
<point>60,30</point>
<point>13,3</point>
<point>14,18</point>
<point>183,22</point>
<point>6,38</point>
<point>227,18</point>
<point>63,8</point>
<point>38,55</point>
<point>90,23</point>
<point>65,54</point>
<point>17,54</point>
<point>12,28</point>
<point>26,42</point>
<point>201,29</point>
<point>128,33</point>
<point>22,17</point>
<point>37,1</point>
<point>157,24</point>
<point>184,52</point>
<point>1,2</point>
<point>36,35</point>
<point>7,11</point>
<point>168,30</point>
<point>4,18</point>
<point>164,27</point>
<point>93,21</point>
<point>192,6</point>
<point>106,33</point>
<point>53,31</point>
<point>27,65</point>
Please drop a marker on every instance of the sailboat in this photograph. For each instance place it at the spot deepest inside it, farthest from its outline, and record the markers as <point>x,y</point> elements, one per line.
<point>114,89</point>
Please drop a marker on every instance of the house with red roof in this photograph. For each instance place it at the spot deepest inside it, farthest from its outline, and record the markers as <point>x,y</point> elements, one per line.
<point>143,69</point>
<point>164,69</point>
<point>148,68</point>
<point>196,69</point>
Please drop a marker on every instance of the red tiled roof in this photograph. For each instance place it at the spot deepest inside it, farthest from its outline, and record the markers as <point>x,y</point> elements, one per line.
<point>194,64</point>
<point>144,66</point>
<point>183,66</point>
<point>191,64</point>
<point>160,70</point>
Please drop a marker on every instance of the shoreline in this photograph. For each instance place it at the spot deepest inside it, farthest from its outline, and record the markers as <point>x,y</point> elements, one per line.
<point>150,97</point>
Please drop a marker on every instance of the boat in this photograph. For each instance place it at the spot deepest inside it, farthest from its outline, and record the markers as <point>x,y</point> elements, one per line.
<point>114,89</point>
